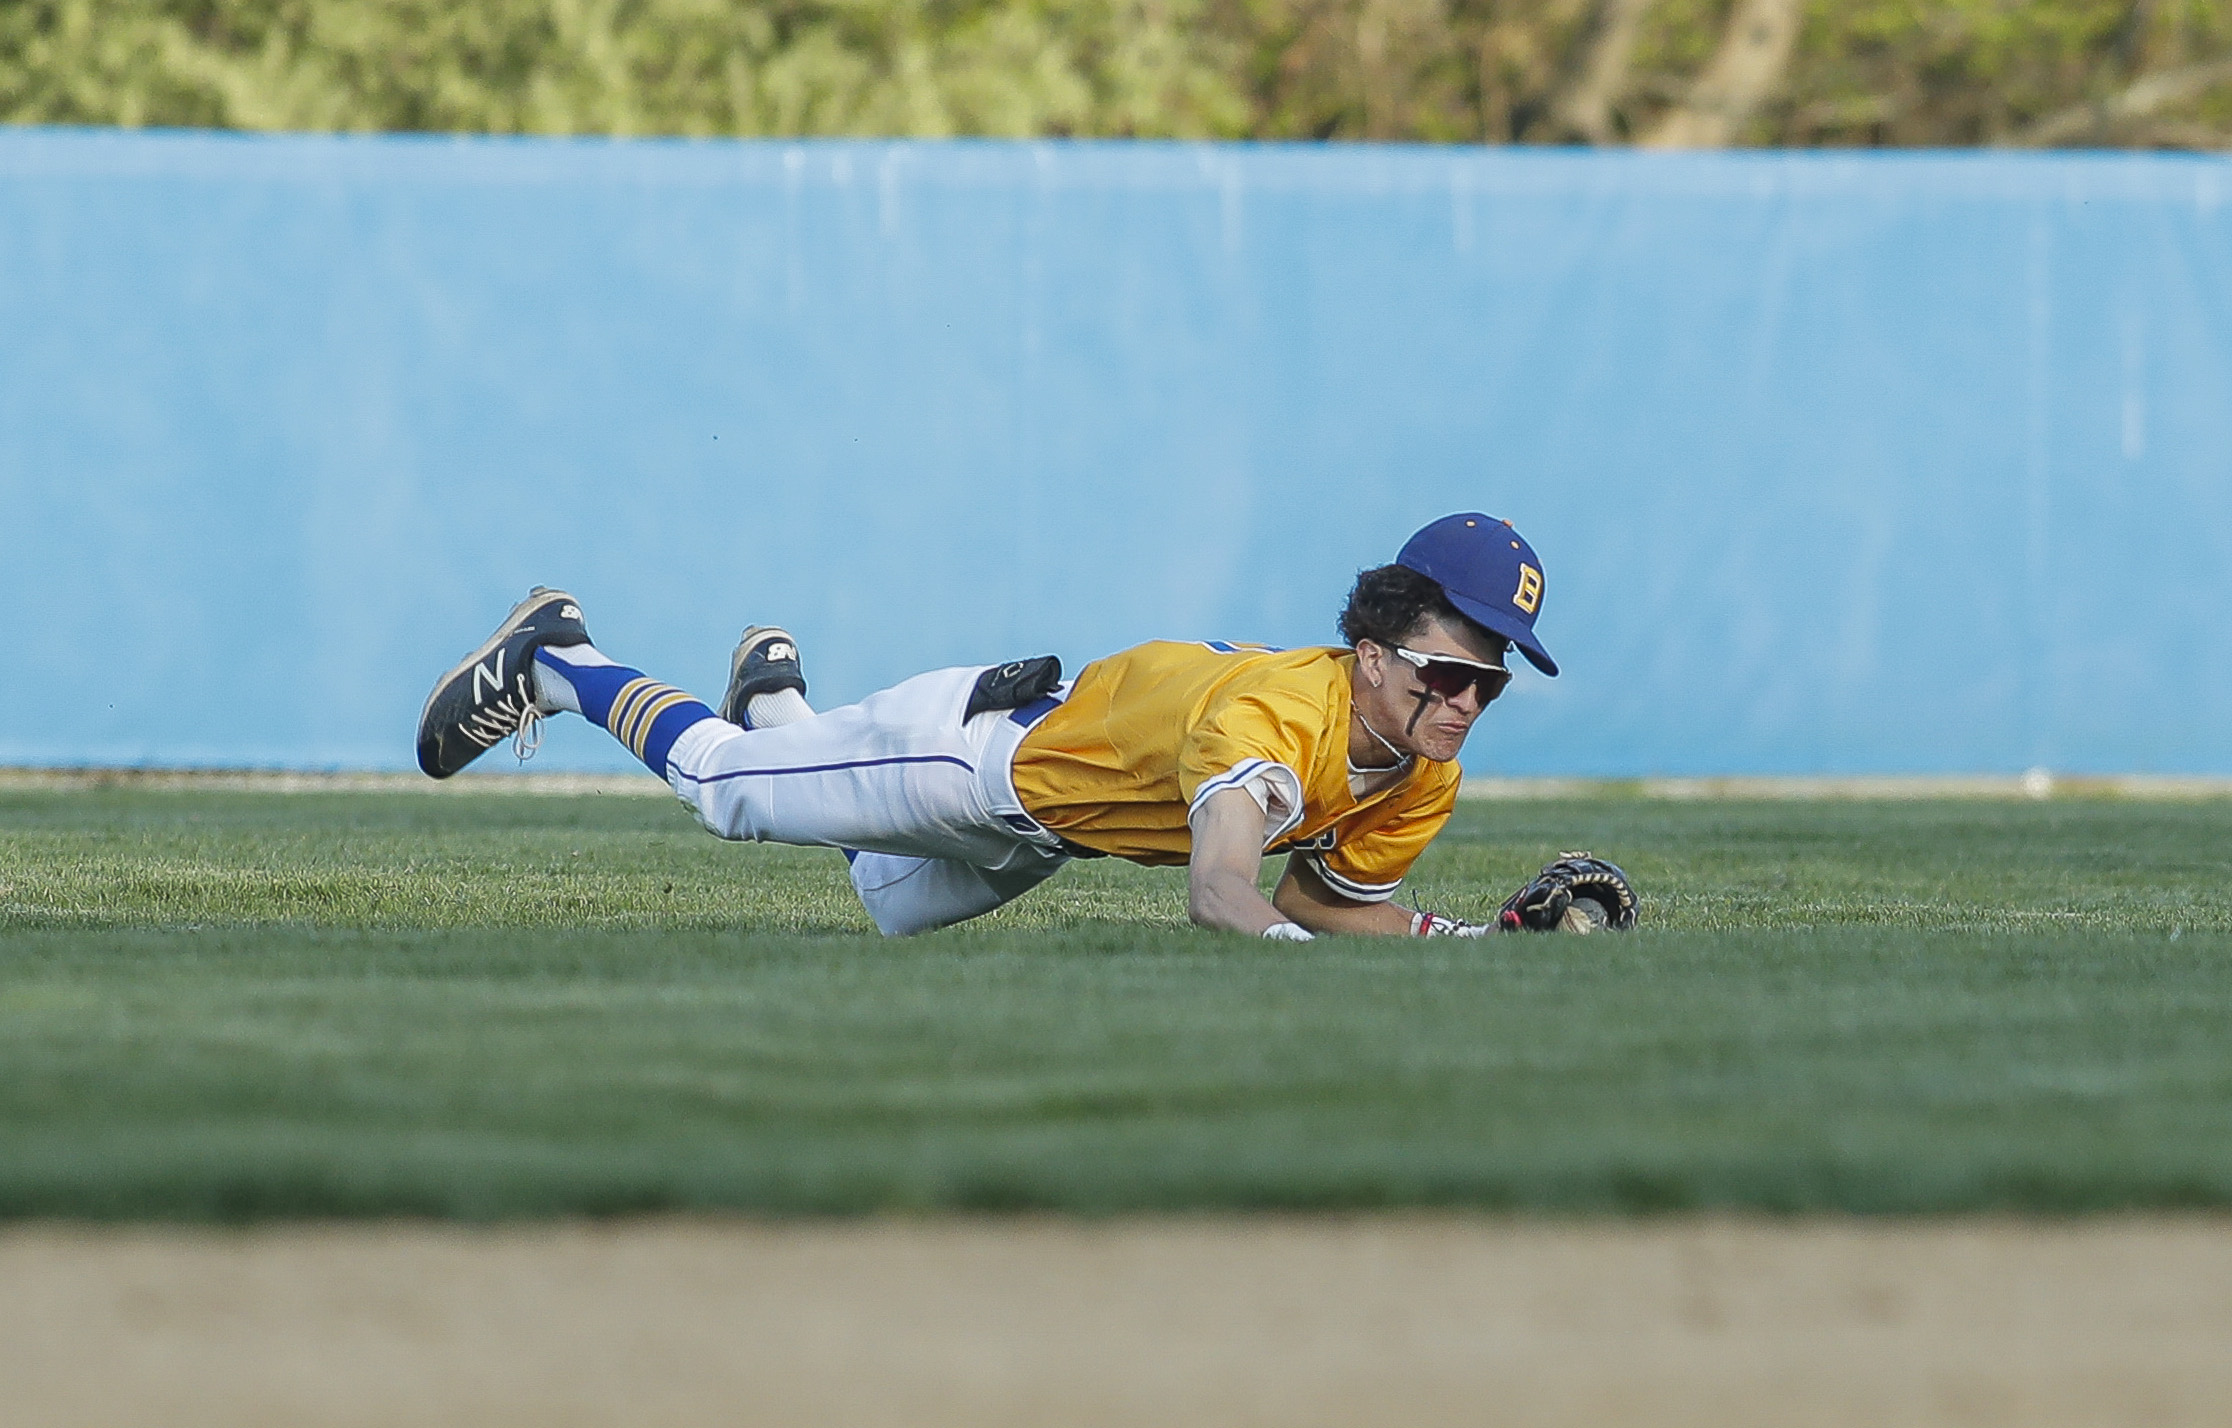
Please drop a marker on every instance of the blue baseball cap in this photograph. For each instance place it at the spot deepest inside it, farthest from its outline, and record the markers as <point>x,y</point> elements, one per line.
<point>1489,573</point>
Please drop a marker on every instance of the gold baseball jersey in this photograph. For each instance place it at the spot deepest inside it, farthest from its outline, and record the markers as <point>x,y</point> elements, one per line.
<point>1147,734</point>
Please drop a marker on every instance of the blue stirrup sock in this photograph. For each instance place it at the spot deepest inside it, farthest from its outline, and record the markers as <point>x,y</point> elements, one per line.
<point>631,706</point>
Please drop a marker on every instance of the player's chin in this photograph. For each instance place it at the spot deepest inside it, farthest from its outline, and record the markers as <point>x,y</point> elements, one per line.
<point>1441,742</point>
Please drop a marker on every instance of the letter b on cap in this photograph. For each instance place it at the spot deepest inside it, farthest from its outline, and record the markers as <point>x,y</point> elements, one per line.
<point>1529,593</point>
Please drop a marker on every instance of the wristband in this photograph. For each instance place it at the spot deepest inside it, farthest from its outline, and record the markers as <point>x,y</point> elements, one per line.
<point>1433,924</point>
<point>1287,932</point>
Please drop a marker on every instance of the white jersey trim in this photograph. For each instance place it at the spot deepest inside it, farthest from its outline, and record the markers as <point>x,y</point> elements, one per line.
<point>1276,789</point>
<point>1349,887</point>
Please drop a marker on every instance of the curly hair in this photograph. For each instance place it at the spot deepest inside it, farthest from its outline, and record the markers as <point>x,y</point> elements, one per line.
<point>1390,602</point>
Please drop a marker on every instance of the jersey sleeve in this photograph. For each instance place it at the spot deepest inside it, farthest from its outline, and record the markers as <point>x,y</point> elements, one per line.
<point>1368,865</point>
<point>1254,739</point>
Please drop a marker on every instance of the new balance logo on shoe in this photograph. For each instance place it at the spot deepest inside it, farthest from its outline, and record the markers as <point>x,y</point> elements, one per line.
<point>779,650</point>
<point>493,674</point>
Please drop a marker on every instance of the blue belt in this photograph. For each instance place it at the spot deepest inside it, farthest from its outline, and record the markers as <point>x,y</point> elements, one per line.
<point>1022,823</point>
<point>1036,710</point>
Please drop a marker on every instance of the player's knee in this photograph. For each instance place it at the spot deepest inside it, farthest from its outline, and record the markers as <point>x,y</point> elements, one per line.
<point>719,814</point>
<point>900,923</point>
<point>881,880</point>
<point>902,917</point>
<point>728,830</point>
<point>906,896</point>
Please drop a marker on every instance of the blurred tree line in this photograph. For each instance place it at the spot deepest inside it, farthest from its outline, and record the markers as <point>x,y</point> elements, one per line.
<point>1654,72</point>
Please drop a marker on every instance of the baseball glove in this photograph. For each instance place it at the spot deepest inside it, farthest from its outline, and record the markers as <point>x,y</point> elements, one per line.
<point>1578,893</point>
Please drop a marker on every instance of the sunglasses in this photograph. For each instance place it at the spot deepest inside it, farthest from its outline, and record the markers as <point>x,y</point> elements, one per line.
<point>1449,676</point>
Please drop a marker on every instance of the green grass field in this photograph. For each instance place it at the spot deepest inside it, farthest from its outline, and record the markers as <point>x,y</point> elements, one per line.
<point>238,1006</point>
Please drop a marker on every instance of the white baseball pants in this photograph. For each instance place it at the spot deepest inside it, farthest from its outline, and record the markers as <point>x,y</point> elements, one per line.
<point>922,800</point>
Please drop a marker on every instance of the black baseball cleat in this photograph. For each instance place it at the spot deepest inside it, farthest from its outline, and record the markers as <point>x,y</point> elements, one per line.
<point>490,696</point>
<point>766,660</point>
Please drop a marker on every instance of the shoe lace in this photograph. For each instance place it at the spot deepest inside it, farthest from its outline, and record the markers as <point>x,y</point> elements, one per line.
<point>512,717</point>
<point>528,736</point>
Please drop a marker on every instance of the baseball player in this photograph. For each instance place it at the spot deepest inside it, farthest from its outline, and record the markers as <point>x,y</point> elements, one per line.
<point>957,790</point>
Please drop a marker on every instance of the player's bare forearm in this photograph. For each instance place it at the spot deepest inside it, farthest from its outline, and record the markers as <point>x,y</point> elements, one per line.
<point>1303,897</point>
<point>1221,874</point>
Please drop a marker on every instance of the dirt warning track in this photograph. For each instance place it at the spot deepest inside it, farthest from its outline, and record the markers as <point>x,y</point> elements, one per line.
<point>1406,1320</point>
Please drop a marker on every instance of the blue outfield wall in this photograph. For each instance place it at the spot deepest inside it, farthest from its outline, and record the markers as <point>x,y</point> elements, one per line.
<point>1838,463</point>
